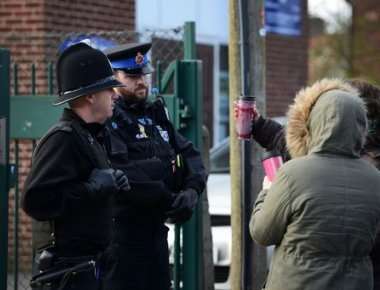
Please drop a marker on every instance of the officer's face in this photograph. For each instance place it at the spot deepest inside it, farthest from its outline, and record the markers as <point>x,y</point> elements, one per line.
<point>103,104</point>
<point>136,86</point>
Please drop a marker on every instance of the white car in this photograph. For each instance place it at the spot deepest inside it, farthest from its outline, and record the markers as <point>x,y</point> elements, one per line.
<point>219,197</point>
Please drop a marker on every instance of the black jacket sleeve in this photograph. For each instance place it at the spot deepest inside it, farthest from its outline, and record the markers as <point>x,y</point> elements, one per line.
<point>55,178</point>
<point>194,175</point>
<point>270,135</point>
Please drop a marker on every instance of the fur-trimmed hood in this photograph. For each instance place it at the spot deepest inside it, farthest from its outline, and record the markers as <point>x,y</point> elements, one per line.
<point>326,117</point>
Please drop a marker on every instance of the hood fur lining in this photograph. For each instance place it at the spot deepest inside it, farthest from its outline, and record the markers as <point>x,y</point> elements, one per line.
<point>297,132</point>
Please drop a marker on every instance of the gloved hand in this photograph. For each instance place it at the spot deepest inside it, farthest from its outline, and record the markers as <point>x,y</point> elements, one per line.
<point>101,183</point>
<point>183,206</point>
<point>122,180</point>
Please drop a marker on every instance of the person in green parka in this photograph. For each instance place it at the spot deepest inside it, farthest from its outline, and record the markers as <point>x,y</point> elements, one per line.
<point>323,209</point>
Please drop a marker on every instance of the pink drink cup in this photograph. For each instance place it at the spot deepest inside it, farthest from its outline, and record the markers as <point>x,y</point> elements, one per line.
<point>271,163</point>
<point>246,112</point>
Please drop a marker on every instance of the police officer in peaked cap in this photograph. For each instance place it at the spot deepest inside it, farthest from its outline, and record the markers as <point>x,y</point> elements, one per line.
<point>71,182</point>
<point>165,171</point>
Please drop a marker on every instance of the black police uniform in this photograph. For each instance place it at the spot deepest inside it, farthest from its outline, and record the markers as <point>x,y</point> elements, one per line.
<point>71,183</point>
<point>145,144</point>
<point>55,190</point>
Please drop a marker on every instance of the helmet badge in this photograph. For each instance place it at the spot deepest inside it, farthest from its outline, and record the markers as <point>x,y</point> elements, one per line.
<point>139,58</point>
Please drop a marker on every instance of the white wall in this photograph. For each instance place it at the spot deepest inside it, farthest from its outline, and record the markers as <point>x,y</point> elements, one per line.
<point>211,17</point>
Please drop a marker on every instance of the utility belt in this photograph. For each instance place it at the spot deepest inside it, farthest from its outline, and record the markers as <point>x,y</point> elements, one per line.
<point>55,272</point>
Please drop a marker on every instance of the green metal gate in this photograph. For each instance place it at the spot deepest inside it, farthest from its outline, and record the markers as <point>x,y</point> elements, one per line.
<point>24,119</point>
<point>4,163</point>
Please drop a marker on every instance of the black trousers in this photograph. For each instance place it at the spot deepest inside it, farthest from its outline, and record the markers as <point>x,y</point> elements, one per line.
<point>138,257</point>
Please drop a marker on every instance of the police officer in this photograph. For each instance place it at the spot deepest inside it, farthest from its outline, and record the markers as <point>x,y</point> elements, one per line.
<point>71,183</point>
<point>166,174</point>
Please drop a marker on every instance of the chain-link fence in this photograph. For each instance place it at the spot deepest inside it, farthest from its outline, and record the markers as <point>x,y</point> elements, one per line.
<point>34,54</point>
<point>33,57</point>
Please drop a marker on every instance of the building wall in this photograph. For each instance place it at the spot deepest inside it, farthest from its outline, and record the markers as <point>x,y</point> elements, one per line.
<point>286,67</point>
<point>366,40</point>
<point>64,15</point>
<point>206,54</point>
<point>89,15</point>
<point>32,29</point>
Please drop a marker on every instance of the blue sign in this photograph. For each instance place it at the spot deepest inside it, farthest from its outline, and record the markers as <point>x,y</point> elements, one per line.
<point>283,17</point>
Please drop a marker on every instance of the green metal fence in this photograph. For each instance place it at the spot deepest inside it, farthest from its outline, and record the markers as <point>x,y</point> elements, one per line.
<point>28,116</point>
<point>4,163</point>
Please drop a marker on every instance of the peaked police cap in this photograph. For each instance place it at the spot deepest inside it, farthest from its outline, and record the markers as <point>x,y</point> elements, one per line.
<point>131,58</point>
<point>83,70</point>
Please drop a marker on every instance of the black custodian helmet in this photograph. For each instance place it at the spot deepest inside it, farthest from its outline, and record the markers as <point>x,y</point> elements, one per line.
<point>83,70</point>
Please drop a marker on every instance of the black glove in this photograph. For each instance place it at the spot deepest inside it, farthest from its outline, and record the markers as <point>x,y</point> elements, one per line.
<point>122,180</point>
<point>101,183</point>
<point>183,206</point>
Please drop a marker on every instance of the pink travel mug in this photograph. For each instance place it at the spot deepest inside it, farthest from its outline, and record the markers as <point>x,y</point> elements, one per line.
<point>245,114</point>
<point>271,162</point>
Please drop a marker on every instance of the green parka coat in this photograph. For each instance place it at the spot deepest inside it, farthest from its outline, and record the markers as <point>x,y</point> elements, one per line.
<point>323,209</point>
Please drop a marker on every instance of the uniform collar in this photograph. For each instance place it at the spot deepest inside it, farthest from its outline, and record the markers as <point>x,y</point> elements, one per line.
<point>135,106</point>
<point>94,128</point>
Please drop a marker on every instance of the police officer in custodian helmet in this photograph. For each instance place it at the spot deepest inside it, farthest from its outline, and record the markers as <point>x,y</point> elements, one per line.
<point>71,183</point>
<point>165,171</point>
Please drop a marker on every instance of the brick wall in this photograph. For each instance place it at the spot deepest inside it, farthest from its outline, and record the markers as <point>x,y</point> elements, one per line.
<point>89,15</point>
<point>286,67</point>
<point>21,15</point>
<point>64,15</point>
<point>21,31</point>
<point>366,40</point>
<point>32,29</point>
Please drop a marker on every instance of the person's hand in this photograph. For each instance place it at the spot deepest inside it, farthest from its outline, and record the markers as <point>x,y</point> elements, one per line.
<point>122,180</point>
<point>183,206</point>
<point>101,182</point>
<point>266,183</point>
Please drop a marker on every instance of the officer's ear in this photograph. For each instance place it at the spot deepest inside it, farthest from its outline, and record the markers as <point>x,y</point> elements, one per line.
<point>90,98</point>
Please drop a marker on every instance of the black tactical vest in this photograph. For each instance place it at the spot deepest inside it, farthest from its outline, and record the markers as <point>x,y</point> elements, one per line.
<point>44,232</point>
<point>141,142</point>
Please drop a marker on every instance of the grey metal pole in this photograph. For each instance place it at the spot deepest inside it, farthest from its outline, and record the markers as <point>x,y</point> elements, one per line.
<point>257,80</point>
<point>246,180</point>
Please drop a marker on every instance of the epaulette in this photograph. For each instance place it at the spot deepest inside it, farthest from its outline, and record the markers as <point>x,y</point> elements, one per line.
<point>161,111</point>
